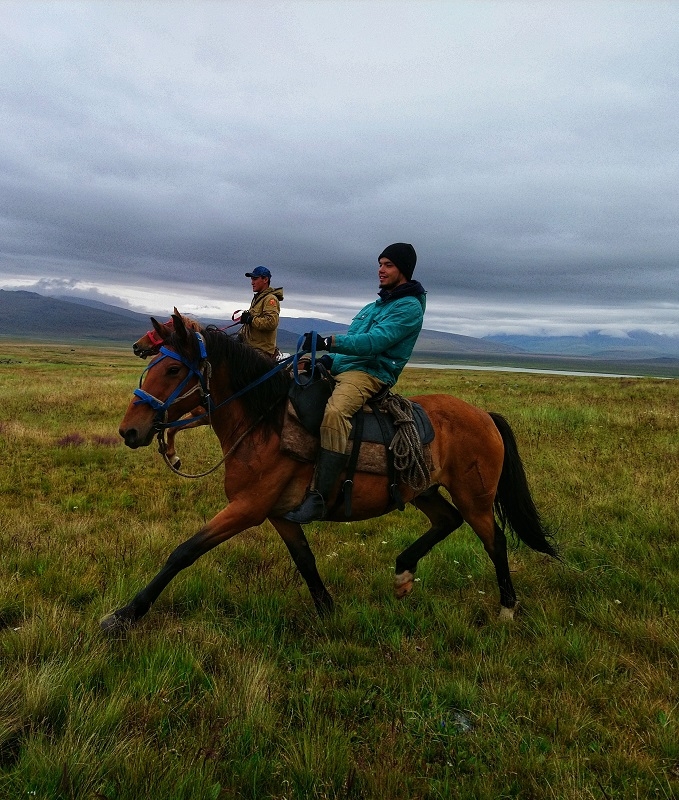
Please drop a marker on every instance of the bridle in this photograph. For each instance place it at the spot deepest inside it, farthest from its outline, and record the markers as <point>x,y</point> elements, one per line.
<point>201,370</point>
<point>156,341</point>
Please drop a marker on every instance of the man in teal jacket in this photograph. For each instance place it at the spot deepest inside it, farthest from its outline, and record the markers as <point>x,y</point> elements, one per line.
<point>368,357</point>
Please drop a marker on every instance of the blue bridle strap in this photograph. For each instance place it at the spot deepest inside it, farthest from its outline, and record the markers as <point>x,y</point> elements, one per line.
<point>197,369</point>
<point>295,358</point>
<point>162,406</point>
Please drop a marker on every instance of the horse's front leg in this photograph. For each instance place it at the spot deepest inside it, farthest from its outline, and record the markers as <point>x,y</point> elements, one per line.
<point>235,518</point>
<point>298,546</point>
<point>199,418</point>
<point>170,450</point>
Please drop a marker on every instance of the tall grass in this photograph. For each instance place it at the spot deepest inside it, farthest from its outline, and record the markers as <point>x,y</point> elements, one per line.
<point>232,687</point>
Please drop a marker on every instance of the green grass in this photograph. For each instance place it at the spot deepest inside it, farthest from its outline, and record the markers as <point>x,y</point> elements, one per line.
<point>231,687</point>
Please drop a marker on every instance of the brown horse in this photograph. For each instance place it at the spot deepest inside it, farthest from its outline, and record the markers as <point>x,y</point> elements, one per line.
<point>474,455</point>
<point>149,345</point>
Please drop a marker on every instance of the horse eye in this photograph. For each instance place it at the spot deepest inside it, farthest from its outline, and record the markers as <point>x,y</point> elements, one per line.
<point>173,370</point>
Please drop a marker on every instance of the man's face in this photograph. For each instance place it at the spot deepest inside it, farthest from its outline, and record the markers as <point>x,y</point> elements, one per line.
<point>258,284</point>
<point>390,276</point>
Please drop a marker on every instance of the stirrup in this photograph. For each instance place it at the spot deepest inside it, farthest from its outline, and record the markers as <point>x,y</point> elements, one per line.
<point>311,509</point>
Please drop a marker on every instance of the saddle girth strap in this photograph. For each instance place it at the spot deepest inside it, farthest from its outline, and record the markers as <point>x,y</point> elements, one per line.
<point>394,493</point>
<point>348,485</point>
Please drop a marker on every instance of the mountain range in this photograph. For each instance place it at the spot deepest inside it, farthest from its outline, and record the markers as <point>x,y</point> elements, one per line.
<point>635,344</point>
<point>29,315</point>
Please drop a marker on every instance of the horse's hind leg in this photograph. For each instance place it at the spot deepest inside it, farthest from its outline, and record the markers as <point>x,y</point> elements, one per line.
<point>504,580</point>
<point>445,518</point>
<point>495,544</point>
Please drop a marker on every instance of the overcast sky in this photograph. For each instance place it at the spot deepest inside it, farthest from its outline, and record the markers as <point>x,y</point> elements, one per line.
<point>153,152</point>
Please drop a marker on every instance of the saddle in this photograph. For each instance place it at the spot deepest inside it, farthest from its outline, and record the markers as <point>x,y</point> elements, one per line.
<point>307,401</point>
<point>376,436</point>
<point>368,448</point>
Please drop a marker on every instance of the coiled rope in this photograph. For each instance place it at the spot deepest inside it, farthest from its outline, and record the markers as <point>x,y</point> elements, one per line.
<point>406,446</point>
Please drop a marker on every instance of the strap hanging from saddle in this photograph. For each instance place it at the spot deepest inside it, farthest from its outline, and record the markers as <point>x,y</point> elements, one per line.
<point>386,429</point>
<point>394,493</point>
<point>347,490</point>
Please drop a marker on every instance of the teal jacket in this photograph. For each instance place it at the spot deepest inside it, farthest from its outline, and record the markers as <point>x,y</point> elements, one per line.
<point>381,337</point>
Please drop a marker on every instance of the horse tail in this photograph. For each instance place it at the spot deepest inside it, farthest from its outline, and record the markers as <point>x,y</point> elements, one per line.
<point>514,504</point>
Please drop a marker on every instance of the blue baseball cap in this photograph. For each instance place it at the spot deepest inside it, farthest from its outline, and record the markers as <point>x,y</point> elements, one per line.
<point>258,272</point>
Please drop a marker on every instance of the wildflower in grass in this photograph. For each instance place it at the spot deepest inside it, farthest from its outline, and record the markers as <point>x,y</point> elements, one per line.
<point>71,440</point>
<point>107,441</point>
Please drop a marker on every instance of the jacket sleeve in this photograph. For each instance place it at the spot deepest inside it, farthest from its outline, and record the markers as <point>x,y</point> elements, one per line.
<point>404,319</point>
<point>266,317</point>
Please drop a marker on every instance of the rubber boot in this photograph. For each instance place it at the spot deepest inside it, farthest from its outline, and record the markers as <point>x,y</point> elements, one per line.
<point>315,504</point>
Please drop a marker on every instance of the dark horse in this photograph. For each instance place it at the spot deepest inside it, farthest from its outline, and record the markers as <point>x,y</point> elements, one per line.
<point>474,455</point>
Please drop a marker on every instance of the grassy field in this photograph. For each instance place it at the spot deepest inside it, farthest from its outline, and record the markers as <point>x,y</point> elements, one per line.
<point>231,687</point>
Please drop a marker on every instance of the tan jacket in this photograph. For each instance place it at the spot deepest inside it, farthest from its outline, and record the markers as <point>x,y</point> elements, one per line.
<point>265,309</point>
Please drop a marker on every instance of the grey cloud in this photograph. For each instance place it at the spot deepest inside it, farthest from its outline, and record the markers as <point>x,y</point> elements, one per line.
<point>527,150</point>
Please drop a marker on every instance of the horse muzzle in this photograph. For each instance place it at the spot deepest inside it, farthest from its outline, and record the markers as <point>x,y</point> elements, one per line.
<point>135,438</point>
<point>143,352</point>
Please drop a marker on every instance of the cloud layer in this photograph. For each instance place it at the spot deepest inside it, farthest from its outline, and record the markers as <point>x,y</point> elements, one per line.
<point>154,152</point>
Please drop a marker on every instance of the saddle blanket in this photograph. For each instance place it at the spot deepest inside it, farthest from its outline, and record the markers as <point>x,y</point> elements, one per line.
<point>299,444</point>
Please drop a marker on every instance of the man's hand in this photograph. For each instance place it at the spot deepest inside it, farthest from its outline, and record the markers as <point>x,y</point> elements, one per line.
<point>246,318</point>
<point>322,343</point>
<point>304,364</point>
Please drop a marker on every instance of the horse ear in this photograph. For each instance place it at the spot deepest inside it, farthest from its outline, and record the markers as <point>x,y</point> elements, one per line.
<point>179,327</point>
<point>163,330</point>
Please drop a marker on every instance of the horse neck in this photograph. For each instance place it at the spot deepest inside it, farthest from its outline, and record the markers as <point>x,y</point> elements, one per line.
<point>231,419</point>
<point>228,416</point>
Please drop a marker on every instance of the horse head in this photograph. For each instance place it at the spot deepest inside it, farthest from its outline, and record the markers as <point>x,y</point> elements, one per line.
<point>172,384</point>
<point>151,342</point>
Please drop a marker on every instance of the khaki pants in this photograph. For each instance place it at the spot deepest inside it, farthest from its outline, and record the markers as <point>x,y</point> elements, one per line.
<point>353,389</point>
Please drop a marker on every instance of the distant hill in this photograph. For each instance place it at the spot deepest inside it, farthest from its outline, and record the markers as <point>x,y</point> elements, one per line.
<point>636,345</point>
<point>31,315</point>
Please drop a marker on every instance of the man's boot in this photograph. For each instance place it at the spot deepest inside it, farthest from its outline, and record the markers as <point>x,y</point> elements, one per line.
<point>315,503</point>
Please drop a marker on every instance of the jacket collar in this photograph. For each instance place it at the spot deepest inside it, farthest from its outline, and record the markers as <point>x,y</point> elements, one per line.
<point>408,289</point>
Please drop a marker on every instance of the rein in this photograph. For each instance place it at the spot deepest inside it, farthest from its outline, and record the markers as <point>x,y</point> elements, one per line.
<point>202,371</point>
<point>162,449</point>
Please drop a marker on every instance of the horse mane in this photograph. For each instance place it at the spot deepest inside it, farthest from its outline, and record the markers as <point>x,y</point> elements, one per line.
<point>190,323</point>
<point>246,364</point>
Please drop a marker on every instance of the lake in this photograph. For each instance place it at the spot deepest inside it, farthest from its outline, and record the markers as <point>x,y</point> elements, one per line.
<point>525,369</point>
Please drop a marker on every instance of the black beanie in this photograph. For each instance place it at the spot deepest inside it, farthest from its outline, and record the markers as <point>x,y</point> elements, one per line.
<point>401,255</point>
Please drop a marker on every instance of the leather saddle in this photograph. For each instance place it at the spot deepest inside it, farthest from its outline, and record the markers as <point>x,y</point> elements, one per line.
<point>375,430</point>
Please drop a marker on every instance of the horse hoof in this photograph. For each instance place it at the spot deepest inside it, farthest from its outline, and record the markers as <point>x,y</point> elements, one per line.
<point>506,614</point>
<point>403,584</point>
<point>112,623</point>
<point>176,463</point>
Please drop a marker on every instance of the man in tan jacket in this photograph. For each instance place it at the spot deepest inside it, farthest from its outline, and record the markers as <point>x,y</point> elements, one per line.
<point>260,321</point>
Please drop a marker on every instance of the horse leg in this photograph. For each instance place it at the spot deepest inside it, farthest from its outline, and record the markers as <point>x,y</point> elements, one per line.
<point>298,546</point>
<point>444,518</point>
<point>170,452</point>
<point>504,580</point>
<point>236,517</point>
<point>495,544</point>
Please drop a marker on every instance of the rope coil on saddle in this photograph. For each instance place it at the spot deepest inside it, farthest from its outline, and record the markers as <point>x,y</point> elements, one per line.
<point>406,446</point>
